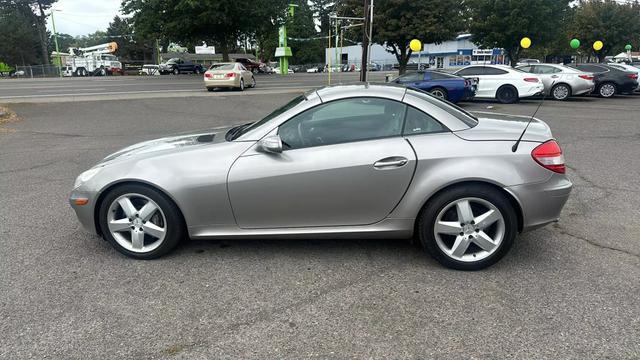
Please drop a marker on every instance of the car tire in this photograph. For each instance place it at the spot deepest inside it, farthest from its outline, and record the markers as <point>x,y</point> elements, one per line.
<point>464,247</point>
<point>607,90</point>
<point>166,217</point>
<point>253,82</point>
<point>440,93</point>
<point>241,87</point>
<point>176,71</point>
<point>210,89</point>
<point>507,94</point>
<point>254,71</point>
<point>197,71</point>
<point>561,92</point>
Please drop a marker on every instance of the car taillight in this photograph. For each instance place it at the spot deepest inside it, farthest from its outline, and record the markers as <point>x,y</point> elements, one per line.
<point>586,77</point>
<point>208,75</point>
<point>632,76</point>
<point>230,75</point>
<point>533,80</point>
<point>549,155</point>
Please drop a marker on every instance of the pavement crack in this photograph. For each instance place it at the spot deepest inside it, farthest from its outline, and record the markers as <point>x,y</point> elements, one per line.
<point>564,231</point>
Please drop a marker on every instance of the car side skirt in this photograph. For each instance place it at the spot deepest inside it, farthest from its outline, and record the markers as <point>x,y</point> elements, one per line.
<point>387,229</point>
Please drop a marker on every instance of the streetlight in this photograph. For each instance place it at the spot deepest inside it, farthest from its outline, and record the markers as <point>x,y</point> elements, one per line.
<point>55,39</point>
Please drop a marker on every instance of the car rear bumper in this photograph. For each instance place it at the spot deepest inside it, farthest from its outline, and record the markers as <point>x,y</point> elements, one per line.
<point>532,90</point>
<point>542,202</point>
<point>228,82</point>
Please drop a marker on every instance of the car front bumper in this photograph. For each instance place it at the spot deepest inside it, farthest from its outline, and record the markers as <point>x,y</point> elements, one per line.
<point>542,202</point>
<point>85,213</point>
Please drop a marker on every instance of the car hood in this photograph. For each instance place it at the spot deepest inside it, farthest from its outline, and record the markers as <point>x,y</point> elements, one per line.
<point>503,127</point>
<point>178,142</point>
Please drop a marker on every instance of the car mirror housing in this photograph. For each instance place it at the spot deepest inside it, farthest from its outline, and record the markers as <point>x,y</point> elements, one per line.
<point>271,144</point>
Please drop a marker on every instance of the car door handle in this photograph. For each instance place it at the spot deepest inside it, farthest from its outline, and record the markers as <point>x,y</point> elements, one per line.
<point>555,76</point>
<point>390,162</point>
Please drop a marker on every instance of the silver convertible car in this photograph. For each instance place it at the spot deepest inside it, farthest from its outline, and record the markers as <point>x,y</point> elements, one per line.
<point>365,161</point>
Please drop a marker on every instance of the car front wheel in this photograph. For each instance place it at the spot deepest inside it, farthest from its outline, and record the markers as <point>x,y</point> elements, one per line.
<point>176,71</point>
<point>468,228</point>
<point>439,93</point>
<point>241,87</point>
<point>140,222</point>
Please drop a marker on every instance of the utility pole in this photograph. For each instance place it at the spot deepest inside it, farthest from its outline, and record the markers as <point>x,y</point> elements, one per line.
<point>55,38</point>
<point>365,41</point>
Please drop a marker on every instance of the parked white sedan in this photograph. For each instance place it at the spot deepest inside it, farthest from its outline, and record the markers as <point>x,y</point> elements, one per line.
<point>561,82</point>
<point>503,83</point>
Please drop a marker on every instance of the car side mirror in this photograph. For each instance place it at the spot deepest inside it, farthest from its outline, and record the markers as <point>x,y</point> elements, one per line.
<point>271,144</point>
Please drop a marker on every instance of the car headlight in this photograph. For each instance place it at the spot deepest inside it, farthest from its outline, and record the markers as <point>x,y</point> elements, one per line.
<point>86,176</point>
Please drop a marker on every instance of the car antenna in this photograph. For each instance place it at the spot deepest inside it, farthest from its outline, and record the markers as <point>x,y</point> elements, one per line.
<point>514,148</point>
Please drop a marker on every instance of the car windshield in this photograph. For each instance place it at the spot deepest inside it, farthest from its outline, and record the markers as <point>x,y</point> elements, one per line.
<point>451,108</point>
<point>240,130</point>
<point>222,67</point>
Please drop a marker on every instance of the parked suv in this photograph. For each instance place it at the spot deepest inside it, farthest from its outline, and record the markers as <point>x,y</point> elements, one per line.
<point>609,80</point>
<point>179,66</point>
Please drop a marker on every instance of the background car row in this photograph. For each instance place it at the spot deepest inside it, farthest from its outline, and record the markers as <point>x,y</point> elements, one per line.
<point>508,85</point>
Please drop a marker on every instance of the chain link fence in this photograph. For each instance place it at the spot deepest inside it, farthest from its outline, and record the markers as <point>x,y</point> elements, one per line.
<point>37,71</point>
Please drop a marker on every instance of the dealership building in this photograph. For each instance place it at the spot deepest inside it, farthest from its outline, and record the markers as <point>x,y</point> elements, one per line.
<point>446,55</point>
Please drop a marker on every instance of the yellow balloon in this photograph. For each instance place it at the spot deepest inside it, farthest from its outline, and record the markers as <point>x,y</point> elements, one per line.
<point>415,45</point>
<point>598,45</point>
<point>525,43</point>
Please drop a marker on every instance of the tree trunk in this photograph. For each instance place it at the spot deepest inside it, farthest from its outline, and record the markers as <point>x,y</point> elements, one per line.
<point>42,32</point>
<point>403,59</point>
<point>514,57</point>
<point>225,49</point>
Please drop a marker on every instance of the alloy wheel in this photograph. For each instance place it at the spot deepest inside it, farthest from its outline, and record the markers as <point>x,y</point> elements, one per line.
<point>137,223</point>
<point>439,94</point>
<point>469,229</point>
<point>607,90</point>
<point>560,92</point>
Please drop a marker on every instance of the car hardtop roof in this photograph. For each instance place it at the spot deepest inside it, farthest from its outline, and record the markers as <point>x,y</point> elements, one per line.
<point>385,90</point>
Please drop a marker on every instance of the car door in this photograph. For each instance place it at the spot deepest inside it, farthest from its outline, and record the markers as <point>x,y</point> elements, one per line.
<point>548,74</point>
<point>486,87</point>
<point>344,163</point>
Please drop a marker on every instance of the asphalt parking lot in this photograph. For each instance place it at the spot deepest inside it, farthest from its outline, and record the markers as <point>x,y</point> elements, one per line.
<point>569,290</point>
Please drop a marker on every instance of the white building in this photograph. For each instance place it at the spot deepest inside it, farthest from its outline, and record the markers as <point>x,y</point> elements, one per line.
<point>447,55</point>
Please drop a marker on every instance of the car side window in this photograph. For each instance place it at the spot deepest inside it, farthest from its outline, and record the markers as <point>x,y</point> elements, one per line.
<point>494,71</point>
<point>527,68</point>
<point>413,77</point>
<point>542,69</point>
<point>417,122</point>
<point>343,121</point>
<point>474,70</point>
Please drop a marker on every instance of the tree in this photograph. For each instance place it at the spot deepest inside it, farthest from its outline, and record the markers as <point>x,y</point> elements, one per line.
<point>397,22</point>
<point>503,24</point>
<point>302,33</point>
<point>219,21</point>
<point>130,45</point>
<point>613,23</point>
<point>19,40</point>
<point>321,11</point>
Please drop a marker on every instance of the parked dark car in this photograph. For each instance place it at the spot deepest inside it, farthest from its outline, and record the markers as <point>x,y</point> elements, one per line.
<point>253,66</point>
<point>609,80</point>
<point>446,86</point>
<point>180,66</point>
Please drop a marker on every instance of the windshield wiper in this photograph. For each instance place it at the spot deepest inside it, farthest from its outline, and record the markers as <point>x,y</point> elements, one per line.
<point>236,131</point>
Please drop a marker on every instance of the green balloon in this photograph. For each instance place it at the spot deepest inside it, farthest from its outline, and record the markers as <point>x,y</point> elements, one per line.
<point>628,47</point>
<point>575,43</point>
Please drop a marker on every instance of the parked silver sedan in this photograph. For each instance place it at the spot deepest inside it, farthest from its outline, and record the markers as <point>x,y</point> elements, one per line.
<point>374,161</point>
<point>561,82</point>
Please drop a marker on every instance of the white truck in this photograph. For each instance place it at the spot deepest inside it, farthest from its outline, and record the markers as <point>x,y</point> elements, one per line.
<point>94,60</point>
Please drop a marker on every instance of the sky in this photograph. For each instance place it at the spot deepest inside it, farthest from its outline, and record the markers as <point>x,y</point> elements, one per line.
<point>81,17</point>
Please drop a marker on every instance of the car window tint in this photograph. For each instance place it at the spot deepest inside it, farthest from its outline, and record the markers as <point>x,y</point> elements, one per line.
<point>413,77</point>
<point>417,122</point>
<point>494,71</point>
<point>473,70</point>
<point>343,121</point>
<point>527,68</point>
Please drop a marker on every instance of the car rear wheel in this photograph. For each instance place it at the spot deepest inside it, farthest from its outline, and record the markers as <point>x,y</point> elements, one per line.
<point>561,92</point>
<point>210,89</point>
<point>140,222</point>
<point>439,93</point>
<point>607,90</point>
<point>507,94</point>
<point>468,228</point>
